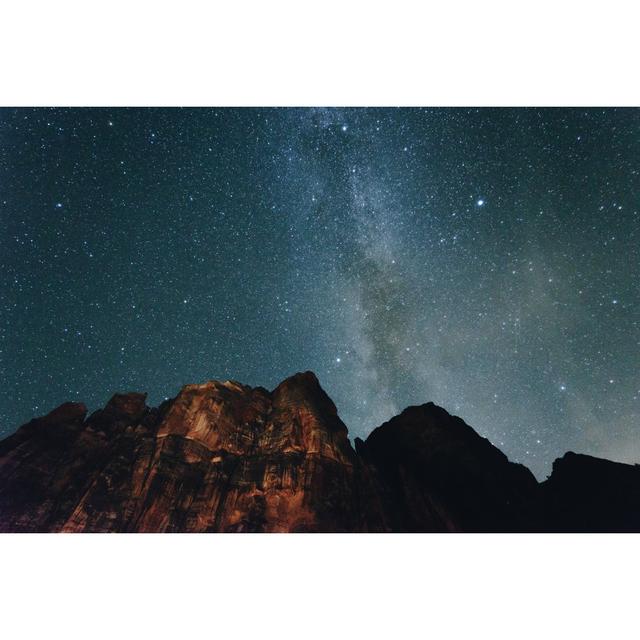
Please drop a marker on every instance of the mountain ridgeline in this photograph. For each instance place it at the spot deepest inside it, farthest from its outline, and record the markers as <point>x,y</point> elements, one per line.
<point>225,457</point>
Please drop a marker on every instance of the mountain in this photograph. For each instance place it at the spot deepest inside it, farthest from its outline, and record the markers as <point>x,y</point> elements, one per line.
<point>225,457</point>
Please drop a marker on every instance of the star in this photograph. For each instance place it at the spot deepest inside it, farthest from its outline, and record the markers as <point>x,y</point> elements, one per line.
<point>249,243</point>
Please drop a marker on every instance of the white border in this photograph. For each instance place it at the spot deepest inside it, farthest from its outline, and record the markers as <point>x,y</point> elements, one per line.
<point>335,52</point>
<point>318,586</point>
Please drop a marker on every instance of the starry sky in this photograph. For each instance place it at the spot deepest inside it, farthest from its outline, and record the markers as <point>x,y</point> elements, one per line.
<point>484,259</point>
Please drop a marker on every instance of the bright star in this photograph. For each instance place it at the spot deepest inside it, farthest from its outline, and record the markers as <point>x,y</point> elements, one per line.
<point>344,127</point>
<point>480,202</point>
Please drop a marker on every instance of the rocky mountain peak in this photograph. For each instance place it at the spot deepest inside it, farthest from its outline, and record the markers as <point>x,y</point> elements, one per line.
<point>223,456</point>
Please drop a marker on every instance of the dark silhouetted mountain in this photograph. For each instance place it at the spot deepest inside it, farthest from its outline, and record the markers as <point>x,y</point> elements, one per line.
<point>225,457</point>
<point>587,494</point>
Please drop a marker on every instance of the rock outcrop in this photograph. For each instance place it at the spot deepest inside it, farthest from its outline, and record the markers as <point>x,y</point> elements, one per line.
<point>590,495</point>
<point>436,473</point>
<point>225,457</point>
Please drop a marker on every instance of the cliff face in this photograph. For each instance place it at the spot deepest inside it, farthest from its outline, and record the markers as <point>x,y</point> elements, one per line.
<point>219,457</point>
<point>224,457</point>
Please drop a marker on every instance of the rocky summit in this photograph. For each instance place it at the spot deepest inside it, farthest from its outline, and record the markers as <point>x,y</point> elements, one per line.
<point>225,457</point>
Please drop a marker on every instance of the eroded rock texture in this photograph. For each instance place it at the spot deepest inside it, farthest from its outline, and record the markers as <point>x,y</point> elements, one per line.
<point>224,457</point>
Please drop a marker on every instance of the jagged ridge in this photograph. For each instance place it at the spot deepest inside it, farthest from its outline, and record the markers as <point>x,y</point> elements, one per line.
<point>225,457</point>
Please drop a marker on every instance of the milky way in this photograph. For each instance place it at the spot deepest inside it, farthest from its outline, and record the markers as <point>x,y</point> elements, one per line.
<point>484,259</point>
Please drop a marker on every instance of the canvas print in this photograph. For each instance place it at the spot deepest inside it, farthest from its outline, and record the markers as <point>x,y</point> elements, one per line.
<point>320,320</point>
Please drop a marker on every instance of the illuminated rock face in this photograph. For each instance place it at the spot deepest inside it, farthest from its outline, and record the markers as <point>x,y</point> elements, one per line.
<point>224,457</point>
<point>219,457</point>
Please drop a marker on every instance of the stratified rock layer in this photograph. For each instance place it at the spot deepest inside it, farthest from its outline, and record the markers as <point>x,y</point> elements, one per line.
<point>224,457</point>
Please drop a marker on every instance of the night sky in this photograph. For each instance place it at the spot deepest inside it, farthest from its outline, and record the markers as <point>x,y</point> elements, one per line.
<point>484,259</point>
